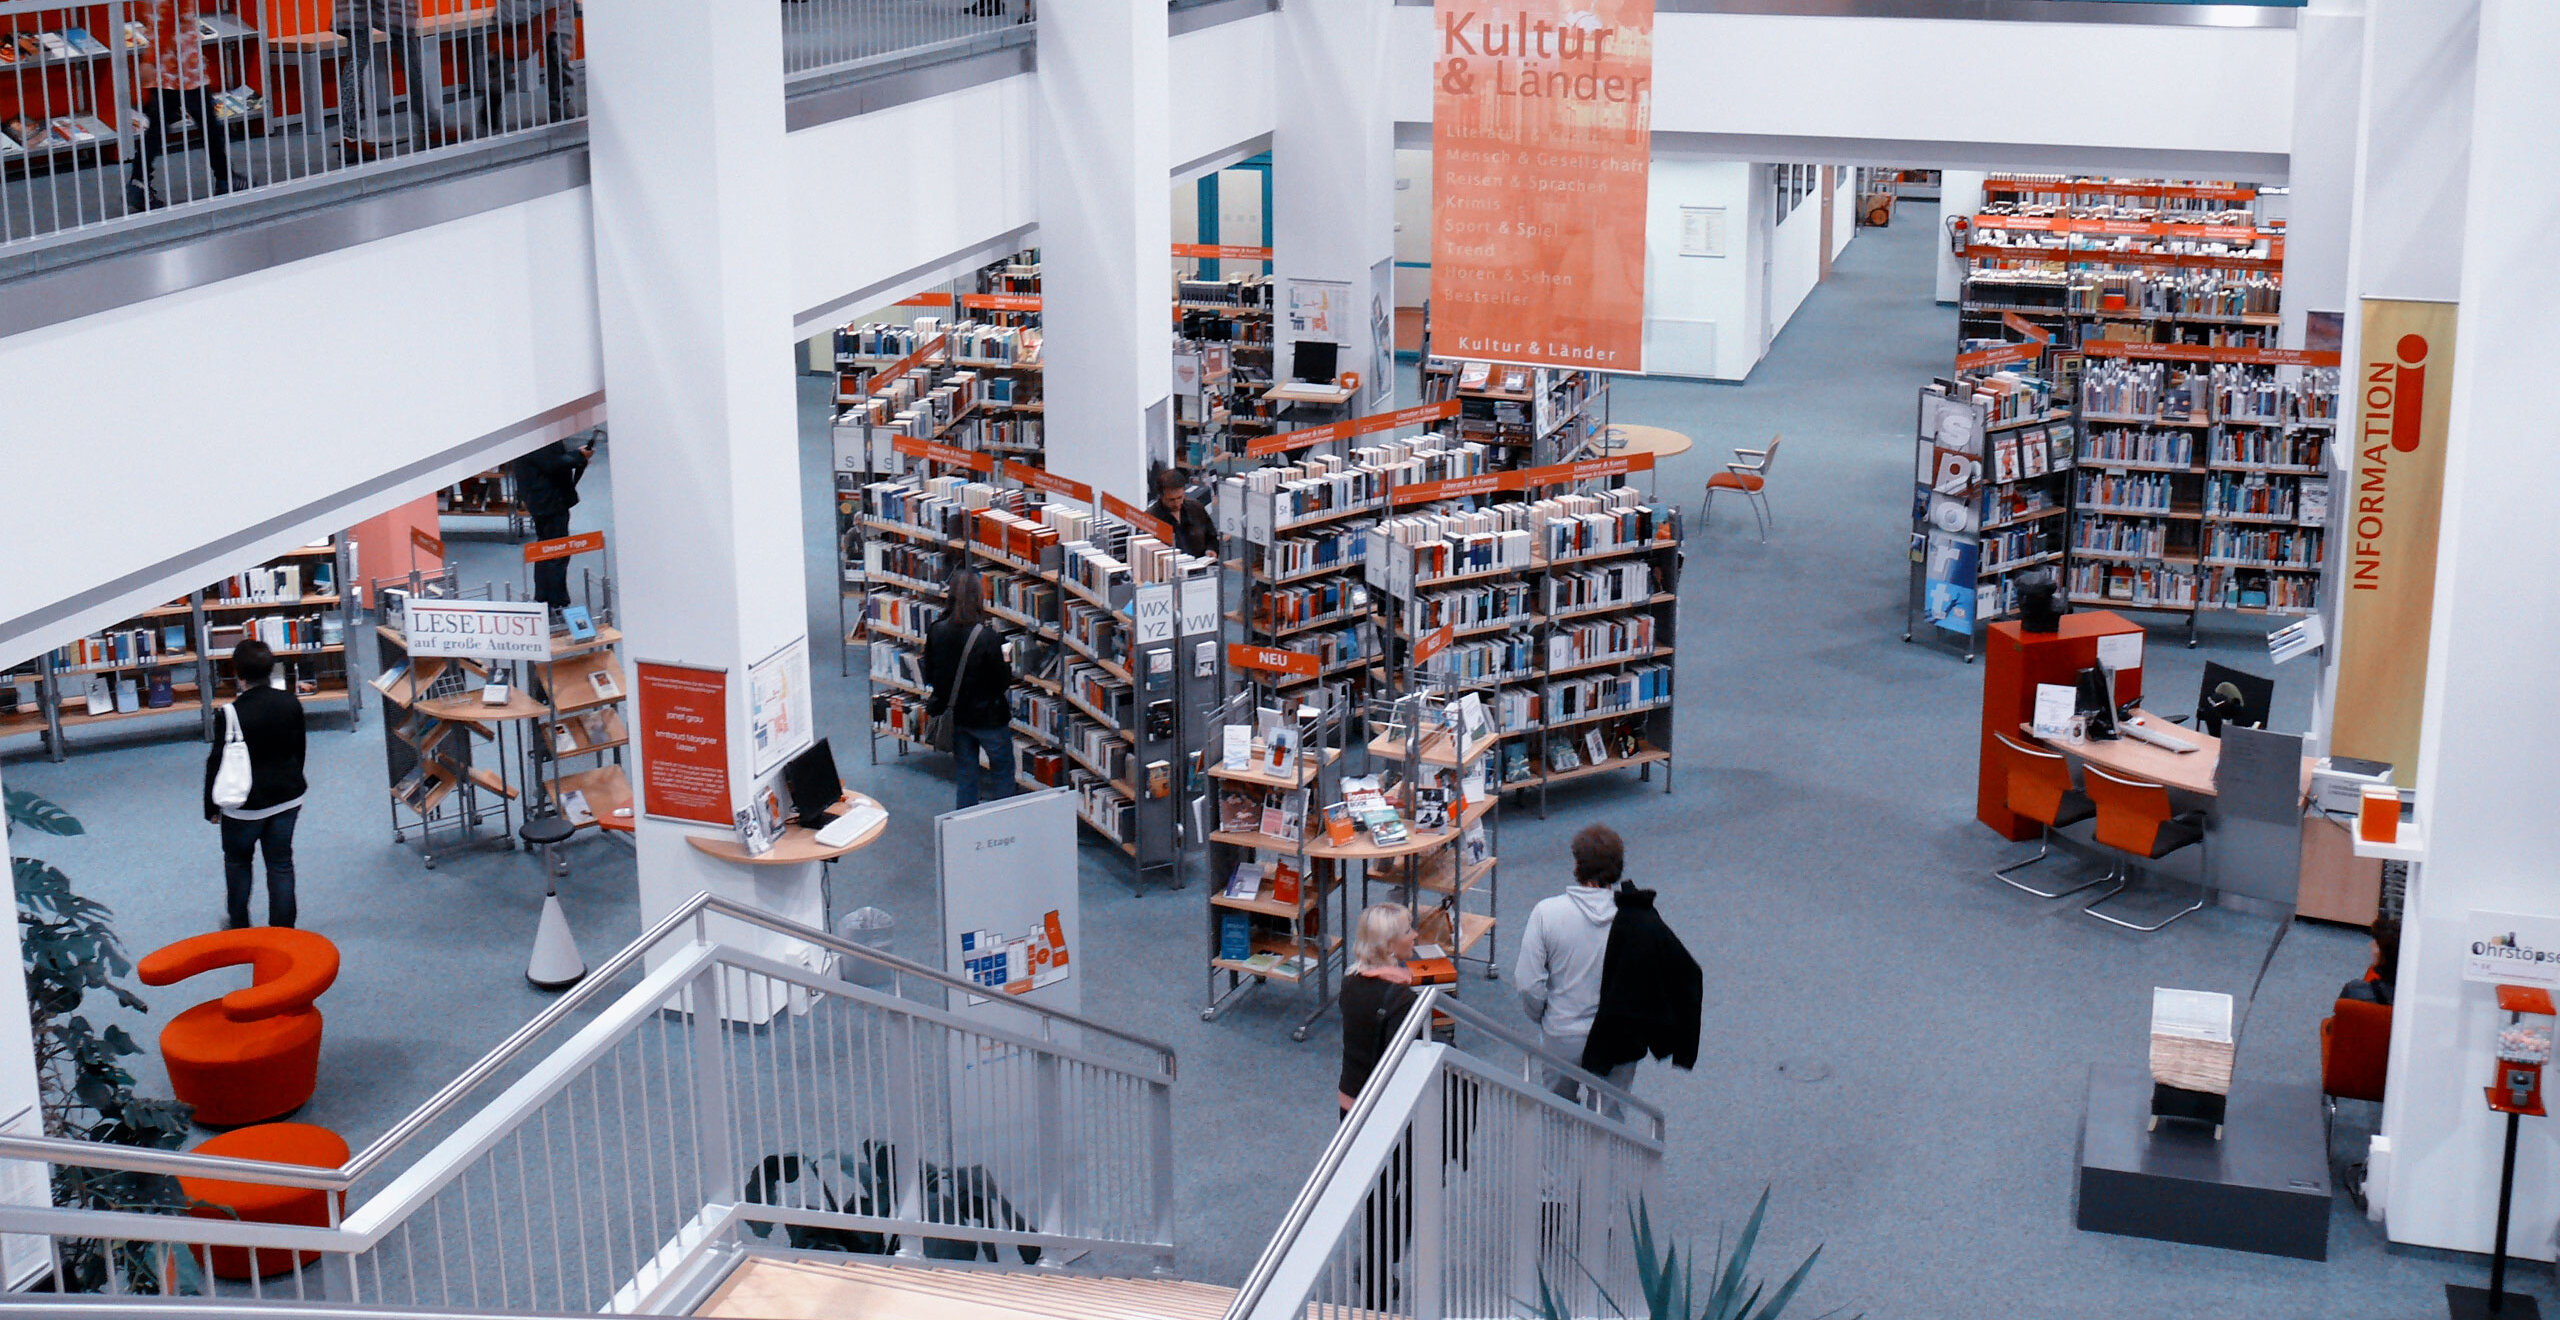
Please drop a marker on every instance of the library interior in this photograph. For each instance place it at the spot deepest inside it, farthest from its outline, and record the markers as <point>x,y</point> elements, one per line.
<point>1664,640</point>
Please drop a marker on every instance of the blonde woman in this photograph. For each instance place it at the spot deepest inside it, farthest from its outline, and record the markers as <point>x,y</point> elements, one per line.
<point>1376,993</point>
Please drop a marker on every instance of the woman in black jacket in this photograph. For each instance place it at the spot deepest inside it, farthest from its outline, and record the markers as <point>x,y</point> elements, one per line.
<point>977,697</point>
<point>270,721</point>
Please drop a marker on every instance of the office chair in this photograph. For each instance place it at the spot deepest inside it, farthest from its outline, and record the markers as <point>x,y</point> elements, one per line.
<point>1748,473</point>
<point>2041,790</point>
<point>2134,818</point>
<point>2355,1052</point>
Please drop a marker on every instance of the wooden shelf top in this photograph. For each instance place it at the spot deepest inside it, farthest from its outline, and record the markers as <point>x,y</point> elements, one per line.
<point>798,843</point>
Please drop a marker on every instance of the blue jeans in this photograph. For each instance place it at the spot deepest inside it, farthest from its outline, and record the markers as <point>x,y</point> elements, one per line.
<point>273,835</point>
<point>965,745</point>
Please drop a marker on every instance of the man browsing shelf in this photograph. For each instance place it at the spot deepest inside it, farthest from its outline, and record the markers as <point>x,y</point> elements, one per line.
<point>270,722</point>
<point>1193,531</point>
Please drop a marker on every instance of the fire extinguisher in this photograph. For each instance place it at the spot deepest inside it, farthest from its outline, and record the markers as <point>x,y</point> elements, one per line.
<point>1959,233</point>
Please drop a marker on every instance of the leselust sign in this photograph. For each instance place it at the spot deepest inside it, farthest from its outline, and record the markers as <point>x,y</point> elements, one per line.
<point>1541,138</point>
<point>2393,502</point>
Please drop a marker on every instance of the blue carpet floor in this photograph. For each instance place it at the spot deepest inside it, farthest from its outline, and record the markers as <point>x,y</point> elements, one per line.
<point>1819,855</point>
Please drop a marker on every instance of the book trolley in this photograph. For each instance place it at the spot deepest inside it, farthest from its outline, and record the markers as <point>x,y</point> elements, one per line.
<point>175,659</point>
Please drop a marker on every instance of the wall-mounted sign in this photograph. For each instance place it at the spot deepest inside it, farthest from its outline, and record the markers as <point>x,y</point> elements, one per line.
<point>480,629</point>
<point>779,718</point>
<point>2506,948</point>
<point>683,742</point>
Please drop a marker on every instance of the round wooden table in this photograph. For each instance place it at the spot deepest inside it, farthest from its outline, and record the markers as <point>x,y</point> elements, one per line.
<point>1661,442</point>
<point>797,845</point>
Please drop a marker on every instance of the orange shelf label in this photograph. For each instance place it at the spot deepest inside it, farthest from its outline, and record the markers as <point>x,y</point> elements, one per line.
<point>881,379</point>
<point>940,453</point>
<point>1137,517</point>
<point>1433,644</point>
<point>1272,660</point>
<point>1417,415</point>
<point>563,547</point>
<point>1043,479</point>
<point>1222,251</point>
<point>1001,302</point>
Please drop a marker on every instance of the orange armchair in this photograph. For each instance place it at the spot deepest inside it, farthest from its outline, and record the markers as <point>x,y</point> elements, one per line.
<point>253,1054</point>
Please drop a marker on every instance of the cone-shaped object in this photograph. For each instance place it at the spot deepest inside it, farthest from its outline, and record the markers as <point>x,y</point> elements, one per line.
<point>556,963</point>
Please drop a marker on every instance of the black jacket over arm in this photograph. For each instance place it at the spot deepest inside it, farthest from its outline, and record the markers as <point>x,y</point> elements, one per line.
<point>1195,532</point>
<point>271,724</point>
<point>1650,991</point>
<point>982,693</point>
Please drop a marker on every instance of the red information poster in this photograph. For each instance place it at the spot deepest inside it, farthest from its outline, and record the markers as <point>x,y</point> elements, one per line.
<point>684,742</point>
<point>1541,140</point>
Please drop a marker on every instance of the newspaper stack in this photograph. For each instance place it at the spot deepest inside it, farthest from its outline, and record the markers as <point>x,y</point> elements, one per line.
<point>2191,1043</point>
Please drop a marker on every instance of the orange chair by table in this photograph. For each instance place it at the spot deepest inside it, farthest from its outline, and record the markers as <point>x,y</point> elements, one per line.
<point>2355,1053</point>
<point>253,1054</point>
<point>266,1203</point>
<point>2041,790</point>
<point>1747,474</point>
<point>2135,818</point>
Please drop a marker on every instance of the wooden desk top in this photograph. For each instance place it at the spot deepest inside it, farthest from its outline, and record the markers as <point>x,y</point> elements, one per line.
<point>470,709</point>
<point>2188,772</point>
<point>1299,391</point>
<point>798,843</point>
<point>1661,442</point>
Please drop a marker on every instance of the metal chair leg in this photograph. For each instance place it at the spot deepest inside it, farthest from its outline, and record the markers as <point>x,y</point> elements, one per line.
<point>1760,511</point>
<point>2092,908</point>
<point>2044,849</point>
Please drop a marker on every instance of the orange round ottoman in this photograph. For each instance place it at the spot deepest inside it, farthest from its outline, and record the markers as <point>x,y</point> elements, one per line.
<point>253,1054</point>
<point>263,1203</point>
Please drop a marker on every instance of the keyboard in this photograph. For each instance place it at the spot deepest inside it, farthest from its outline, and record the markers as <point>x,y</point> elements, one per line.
<point>2147,733</point>
<point>846,828</point>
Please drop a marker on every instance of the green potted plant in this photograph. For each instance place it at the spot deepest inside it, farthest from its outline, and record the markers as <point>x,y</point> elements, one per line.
<point>69,947</point>
<point>1670,1282</point>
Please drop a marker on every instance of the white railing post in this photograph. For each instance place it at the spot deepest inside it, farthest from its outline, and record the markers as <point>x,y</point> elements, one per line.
<point>906,1125</point>
<point>1427,1155</point>
<point>1055,1162</point>
<point>714,1139</point>
<point>1526,1231</point>
<point>1160,1171</point>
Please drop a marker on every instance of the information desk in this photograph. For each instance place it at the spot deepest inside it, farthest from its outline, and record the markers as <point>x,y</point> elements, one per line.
<point>798,844</point>
<point>2251,786</point>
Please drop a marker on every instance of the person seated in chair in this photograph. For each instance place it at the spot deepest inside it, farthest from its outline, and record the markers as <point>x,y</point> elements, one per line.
<point>2374,987</point>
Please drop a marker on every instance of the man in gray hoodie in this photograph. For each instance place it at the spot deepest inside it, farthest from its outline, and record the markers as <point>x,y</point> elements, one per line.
<point>1561,952</point>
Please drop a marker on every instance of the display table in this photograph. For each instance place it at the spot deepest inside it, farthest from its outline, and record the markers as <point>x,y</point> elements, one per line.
<point>2264,1187</point>
<point>798,845</point>
<point>1299,391</point>
<point>1659,441</point>
<point>2196,772</point>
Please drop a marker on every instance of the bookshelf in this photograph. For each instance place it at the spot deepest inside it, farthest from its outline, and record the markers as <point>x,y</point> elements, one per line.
<point>1992,496</point>
<point>175,660</point>
<point>1447,797</point>
<point>487,495</point>
<point>1096,610</point>
<point>436,714</point>
<point>580,736</point>
<point>1533,416</point>
<point>1223,356</point>
<point>1552,592</point>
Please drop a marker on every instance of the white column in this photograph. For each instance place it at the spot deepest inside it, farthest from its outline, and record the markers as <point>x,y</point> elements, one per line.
<point>687,157</point>
<point>1959,193</point>
<point>1106,241</point>
<point>2484,781</point>
<point>1333,176</point>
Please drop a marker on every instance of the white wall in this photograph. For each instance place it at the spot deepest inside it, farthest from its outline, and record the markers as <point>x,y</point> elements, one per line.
<point>1912,89</point>
<point>1959,193</point>
<point>1844,210</point>
<point>1795,265</point>
<point>1683,292</point>
<point>1224,80</point>
<point>261,400</point>
<point>1413,227</point>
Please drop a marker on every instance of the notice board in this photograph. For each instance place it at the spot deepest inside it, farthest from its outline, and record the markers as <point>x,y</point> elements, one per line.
<point>684,742</point>
<point>1542,144</point>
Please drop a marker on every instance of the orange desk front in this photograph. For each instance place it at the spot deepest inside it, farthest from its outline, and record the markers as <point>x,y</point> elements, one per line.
<point>2013,663</point>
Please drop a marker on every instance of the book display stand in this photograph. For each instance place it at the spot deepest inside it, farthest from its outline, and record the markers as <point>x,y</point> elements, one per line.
<point>1446,869</point>
<point>1991,493</point>
<point>176,659</point>
<point>1278,901</point>
<point>577,743</point>
<point>436,711</point>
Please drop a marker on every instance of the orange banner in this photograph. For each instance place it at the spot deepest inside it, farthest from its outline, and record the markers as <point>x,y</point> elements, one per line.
<point>2389,511</point>
<point>1541,137</point>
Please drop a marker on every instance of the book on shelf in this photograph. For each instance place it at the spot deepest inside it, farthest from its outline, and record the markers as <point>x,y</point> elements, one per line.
<point>1235,936</point>
<point>1284,882</point>
<point>1237,749</point>
<point>604,683</point>
<point>753,837</point>
<point>574,808</point>
<point>1245,881</point>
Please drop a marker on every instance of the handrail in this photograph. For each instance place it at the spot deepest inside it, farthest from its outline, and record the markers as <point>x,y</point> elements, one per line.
<point>1416,1025</point>
<point>1616,1094</point>
<point>597,984</point>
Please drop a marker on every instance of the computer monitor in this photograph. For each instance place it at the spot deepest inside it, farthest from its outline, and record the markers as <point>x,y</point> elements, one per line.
<point>811,780</point>
<point>2097,701</point>
<point>1312,360</point>
<point>2245,704</point>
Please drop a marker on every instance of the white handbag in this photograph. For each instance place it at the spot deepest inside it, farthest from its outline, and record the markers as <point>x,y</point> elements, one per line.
<point>231,782</point>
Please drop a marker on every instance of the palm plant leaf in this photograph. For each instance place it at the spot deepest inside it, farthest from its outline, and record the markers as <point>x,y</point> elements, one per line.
<point>25,808</point>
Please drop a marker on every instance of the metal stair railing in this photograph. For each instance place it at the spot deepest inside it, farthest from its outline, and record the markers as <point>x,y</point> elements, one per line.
<point>725,1099</point>
<point>1458,1181</point>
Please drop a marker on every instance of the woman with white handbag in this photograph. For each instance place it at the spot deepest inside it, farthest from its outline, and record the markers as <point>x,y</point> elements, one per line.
<point>253,785</point>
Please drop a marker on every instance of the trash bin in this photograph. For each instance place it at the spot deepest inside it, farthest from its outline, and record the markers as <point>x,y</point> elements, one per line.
<point>872,929</point>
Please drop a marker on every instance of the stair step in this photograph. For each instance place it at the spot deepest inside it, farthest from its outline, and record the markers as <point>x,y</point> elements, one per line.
<point>765,1288</point>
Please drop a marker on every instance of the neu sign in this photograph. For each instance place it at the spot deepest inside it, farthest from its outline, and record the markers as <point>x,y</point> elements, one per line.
<point>480,629</point>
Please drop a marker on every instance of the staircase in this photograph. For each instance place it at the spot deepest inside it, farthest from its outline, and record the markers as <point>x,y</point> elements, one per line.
<point>798,1288</point>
